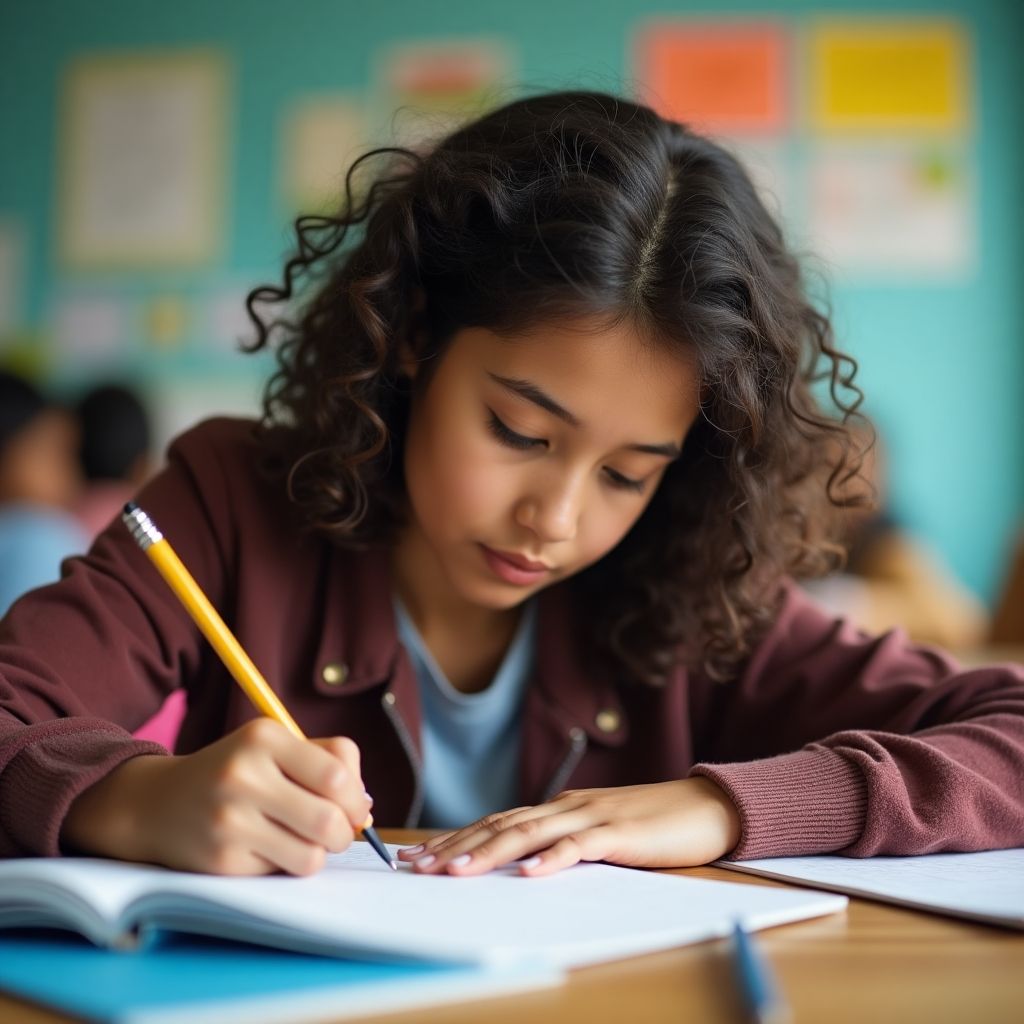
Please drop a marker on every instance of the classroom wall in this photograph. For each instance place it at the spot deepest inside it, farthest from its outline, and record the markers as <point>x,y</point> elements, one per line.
<point>941,356</point>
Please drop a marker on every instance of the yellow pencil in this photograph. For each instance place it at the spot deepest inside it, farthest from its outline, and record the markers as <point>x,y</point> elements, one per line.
<point>223,641</point>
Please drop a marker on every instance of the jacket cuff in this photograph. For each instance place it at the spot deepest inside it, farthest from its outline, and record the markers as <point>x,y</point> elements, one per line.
<point>44,778</point>
<point>808,802</point>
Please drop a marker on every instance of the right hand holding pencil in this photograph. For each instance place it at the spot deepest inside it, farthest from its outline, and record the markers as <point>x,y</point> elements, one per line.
<point>257,801</point>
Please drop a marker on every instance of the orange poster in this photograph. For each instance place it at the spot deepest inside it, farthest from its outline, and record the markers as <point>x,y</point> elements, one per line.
<point>725,78</point>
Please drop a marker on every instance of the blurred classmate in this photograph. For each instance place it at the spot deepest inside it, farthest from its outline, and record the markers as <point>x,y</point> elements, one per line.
<point>892,578</point>
<point>39,480</point>
<point>114,451</point>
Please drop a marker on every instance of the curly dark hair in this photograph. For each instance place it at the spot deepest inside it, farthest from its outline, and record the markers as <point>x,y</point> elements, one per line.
<point>558,206</point>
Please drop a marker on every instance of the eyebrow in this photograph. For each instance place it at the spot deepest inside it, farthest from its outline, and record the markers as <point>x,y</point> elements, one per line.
<point>532,393</point>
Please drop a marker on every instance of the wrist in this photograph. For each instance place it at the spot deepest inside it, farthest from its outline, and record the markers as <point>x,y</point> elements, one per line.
<point>722,811</point>
<point>109,819</point>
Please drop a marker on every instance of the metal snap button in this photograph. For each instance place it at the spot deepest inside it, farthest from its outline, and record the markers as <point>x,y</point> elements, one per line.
<point>334,673</point>
<point>608,720</point>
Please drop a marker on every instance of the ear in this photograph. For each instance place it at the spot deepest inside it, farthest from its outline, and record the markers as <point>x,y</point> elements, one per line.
<point>408,360</point>
<point>412,344</point>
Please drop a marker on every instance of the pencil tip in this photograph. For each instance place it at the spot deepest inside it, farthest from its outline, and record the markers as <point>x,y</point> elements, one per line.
<point>392,865</point>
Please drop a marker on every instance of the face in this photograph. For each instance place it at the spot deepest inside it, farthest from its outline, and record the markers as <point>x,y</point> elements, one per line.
<point>40,463</point>
<point>529,458</point>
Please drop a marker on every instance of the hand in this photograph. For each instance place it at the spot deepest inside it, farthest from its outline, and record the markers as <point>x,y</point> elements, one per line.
<point>665,825</point>
<point>257,801</point>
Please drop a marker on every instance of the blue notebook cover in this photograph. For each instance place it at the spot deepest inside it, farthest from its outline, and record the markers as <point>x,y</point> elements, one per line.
<point>176,977</point>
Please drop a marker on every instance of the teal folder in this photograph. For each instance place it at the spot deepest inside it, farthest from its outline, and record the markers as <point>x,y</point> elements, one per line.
<point>187,978</point>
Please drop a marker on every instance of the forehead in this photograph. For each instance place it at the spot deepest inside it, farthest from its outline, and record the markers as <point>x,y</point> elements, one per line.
<point>603,375</point>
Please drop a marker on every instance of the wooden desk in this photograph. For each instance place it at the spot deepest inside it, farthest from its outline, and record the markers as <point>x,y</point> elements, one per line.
<point>872,963</point>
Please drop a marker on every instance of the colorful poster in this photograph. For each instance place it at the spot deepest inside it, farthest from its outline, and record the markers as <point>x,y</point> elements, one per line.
<point>426,89</point>
<point>889,212</point>
<point>322,136</point>
<point>727,78</point>
<point>143,160</point>
<point>889,75</point>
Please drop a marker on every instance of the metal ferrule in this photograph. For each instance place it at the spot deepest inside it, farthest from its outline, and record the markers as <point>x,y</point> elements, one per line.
<point>142,527</point>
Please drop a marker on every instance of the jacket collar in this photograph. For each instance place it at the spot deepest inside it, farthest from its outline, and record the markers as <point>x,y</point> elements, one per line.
<point>359,639</point>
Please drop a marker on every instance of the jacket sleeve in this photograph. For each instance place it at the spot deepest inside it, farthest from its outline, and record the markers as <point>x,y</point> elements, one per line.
<point>832,741</point>
<point>91,657</point>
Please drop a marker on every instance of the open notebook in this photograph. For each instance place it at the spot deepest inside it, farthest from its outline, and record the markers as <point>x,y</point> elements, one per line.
<point>355,907</point>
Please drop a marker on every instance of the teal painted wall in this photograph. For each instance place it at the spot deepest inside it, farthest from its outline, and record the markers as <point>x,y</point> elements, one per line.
<point>942,363</point>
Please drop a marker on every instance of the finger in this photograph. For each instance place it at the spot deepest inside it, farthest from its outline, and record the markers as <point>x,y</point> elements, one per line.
<point>439,842</point>
<point>287,851</point>
<point>311,818</point>
<point>492,824</point>
<point>347,751</point>
<point>590,845</point>
<point>245,842</point>
<point>482,851</point>
<point>327,768</point>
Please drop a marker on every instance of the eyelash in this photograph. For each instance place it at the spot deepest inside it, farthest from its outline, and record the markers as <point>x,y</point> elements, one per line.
<point>511,439</point>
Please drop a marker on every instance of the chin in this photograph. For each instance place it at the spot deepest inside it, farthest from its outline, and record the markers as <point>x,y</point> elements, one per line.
<point>497,597</point>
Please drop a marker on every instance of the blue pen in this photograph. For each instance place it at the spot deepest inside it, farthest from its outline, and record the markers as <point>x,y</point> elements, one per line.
<point>759,989</point>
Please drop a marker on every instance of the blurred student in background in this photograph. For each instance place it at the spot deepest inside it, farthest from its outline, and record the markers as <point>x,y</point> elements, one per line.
<point>114,450</point>
<point>40,480</point>
<point>115,454</point>
<point>892,578</point>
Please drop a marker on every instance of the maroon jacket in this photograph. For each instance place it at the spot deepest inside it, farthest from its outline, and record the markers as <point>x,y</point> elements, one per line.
<point>829,740</point>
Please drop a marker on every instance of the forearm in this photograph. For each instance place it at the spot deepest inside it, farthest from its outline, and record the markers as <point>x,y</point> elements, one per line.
<point>45,767</point>
<point>109,819</point>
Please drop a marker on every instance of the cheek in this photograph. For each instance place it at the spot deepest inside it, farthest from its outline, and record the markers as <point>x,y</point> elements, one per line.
<point>453,477</point>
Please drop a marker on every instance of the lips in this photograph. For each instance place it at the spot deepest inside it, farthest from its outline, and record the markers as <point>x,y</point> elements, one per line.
<point>520,561</point>
<point>513,568</point>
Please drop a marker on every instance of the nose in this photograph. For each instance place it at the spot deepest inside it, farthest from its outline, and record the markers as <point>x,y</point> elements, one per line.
<point>552,511</point>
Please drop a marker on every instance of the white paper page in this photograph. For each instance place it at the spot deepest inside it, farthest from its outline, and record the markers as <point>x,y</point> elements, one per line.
<point>586,914</point>
<point>985,886</point>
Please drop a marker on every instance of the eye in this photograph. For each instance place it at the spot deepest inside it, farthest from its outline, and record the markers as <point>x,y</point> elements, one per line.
<point>510,438</point>
<point>625,483</point>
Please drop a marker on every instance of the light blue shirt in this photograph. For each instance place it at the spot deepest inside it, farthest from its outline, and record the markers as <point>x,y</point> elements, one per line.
<point>470,740</point>
<point>34,540</point>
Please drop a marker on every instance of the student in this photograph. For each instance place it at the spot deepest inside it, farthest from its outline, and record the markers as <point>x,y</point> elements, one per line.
<point>892,578</point>
<point>537,466</point>
<point>114,451</point>
<point>39,479</point>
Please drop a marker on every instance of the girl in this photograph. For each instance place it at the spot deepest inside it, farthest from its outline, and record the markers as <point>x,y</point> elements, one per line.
<point>538,464</point>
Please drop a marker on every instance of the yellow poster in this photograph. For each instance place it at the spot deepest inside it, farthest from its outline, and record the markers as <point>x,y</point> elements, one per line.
<point>889,76</point>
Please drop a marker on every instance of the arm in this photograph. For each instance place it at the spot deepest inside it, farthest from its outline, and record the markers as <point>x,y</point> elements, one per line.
<point>833,741</point>
<point>917,756</point>
<point>84,661</point>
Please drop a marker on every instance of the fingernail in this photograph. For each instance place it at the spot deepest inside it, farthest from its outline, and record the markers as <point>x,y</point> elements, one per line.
<point>531,863</point>
<point>425,862</point>
<point>413,850</point>
<point>462,860</point>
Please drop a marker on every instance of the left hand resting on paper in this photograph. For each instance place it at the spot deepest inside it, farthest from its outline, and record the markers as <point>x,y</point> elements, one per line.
<point>664,825</point>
